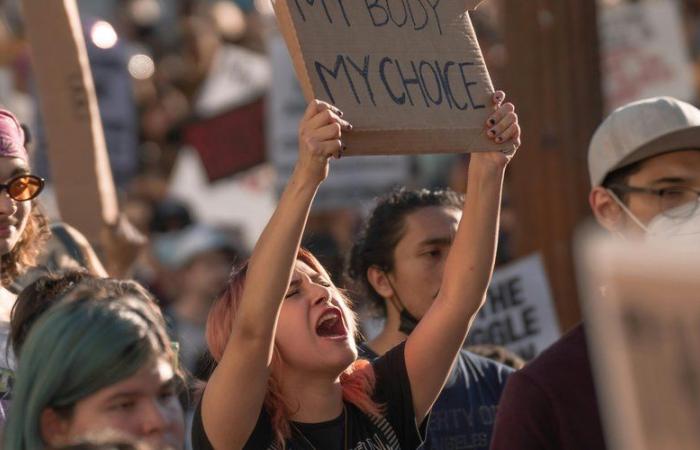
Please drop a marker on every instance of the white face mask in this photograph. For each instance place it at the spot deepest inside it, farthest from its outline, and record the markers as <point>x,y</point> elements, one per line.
<point>684,231</point>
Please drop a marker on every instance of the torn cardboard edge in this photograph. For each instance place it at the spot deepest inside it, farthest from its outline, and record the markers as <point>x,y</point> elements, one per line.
<point>384,141</point>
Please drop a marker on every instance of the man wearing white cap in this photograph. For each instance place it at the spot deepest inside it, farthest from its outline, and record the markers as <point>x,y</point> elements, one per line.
<point>644,163</point>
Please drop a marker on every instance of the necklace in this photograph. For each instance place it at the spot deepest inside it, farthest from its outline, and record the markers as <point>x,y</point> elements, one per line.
<point>308,443</point>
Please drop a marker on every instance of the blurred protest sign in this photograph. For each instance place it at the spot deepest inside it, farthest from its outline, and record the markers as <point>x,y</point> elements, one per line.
<point>229,142</point>
<point>354,180</point>
<point>77,152</point>
<point>519,312</point>
<point>644,52</point>
<point>642,311</point>
<point>409,75</point>
<point>246,201</point>
<point>228,127</point>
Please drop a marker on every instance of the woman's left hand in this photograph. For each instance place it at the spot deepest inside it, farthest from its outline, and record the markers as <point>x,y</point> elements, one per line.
<point>502,127</point>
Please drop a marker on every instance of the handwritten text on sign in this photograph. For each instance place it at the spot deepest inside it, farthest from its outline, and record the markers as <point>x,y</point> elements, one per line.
<point>393,65</point>
<point>519,312</point>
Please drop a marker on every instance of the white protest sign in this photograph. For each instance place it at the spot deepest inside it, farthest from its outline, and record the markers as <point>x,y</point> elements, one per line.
<point>246,200</point>
<point>644,52</point>
<point>353,181</point>
<point>519,312</point>
<point>237,76</point>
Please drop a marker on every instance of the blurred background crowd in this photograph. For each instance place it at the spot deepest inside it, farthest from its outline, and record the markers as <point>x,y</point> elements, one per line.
<point>200,105</point>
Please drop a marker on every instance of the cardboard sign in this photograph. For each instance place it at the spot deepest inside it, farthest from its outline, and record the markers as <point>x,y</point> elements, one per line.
<point>644,52</point>
<point>77,151</point>
<point>519,313</point>
<point>642,312</point>
<point>354,182</point>
<point>408,74</point>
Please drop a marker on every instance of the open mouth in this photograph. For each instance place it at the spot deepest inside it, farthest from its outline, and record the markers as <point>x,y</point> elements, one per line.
<point>330,324</point>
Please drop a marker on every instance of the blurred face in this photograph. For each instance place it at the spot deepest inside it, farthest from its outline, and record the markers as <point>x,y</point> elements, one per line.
<point>676,169</point>
<point>207,272</point>
<point>419,257</point>
<point>13,214</point>
<point>315,332</point>
<point>143,406</point>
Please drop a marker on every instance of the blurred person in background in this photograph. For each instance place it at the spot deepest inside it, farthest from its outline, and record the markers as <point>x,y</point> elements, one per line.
<point>99,360</point>
<point>37,298</point>
<point>644,164</point>
<point>200,259</point>
<point>398,263</point>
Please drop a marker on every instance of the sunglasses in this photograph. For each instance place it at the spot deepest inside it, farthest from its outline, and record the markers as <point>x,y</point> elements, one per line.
<point>23,188</point>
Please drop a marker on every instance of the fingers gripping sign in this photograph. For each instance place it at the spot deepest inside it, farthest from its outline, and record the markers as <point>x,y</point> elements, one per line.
<point>320,138</point>
<point>503,127</point>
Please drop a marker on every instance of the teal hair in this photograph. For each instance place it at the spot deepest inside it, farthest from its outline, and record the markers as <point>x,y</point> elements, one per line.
<point>75,349</point>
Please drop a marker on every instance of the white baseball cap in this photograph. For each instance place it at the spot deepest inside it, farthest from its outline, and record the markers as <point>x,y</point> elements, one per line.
<point>641,130</point>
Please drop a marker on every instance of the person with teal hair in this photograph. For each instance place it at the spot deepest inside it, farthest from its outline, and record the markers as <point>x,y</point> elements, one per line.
<point>98,360</point>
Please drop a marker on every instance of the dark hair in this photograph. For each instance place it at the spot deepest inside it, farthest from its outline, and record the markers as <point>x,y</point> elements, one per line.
<point>36,298</point>
<point>619,177</point>
<point>384,229</point>
<point>39,296</point>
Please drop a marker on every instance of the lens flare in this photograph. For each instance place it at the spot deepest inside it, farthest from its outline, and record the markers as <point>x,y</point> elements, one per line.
<point>141,67</point>
<point>103,35</point>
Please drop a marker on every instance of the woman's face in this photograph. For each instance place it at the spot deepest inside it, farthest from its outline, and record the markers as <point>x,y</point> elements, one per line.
<point>315,331</point>
<point>13,214</point>
<point>143,407</point>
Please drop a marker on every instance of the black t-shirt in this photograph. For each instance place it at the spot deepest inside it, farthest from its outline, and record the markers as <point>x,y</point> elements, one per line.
<point>464,414</point>
<point>396,430</point>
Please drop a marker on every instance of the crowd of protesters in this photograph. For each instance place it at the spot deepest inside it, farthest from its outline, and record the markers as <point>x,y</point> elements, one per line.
<point>200,342</point>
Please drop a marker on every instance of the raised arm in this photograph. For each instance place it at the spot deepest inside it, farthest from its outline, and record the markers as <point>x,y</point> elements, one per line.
<point>236,390</point>
<point>432,347</point>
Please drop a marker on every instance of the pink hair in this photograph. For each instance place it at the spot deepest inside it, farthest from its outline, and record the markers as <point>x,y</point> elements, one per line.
<point>358,380</point>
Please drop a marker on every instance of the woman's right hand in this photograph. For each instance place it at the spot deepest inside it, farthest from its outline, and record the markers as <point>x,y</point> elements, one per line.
<point>320,133</point>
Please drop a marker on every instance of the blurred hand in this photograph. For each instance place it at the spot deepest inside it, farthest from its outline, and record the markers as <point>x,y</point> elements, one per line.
<point>320,133</point>
<point>122,244</point>
<point>502,127</point>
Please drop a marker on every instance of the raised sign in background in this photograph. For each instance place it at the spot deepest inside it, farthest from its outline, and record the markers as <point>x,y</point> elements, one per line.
<point>408,74</point>
<point>519,311</point>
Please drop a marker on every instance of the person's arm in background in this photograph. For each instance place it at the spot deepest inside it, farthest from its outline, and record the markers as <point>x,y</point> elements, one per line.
<point>122,244</point>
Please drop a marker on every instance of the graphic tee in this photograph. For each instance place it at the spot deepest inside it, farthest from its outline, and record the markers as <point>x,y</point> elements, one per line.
<point>395,430</point>
<point>464,415</point>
